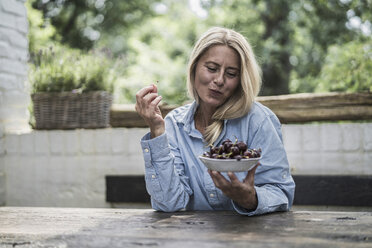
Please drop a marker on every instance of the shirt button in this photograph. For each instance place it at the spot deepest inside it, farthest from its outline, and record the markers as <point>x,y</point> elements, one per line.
<point>146,150</point>
<point>284,176</point>
<point>211,195</point>
<point>153,176</point>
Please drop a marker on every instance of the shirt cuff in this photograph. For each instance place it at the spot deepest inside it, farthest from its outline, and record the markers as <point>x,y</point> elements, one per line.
<point>261,206</point>
<point>156,149</point>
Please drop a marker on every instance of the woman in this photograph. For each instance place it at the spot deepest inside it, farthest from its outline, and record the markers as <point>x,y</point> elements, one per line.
<point>223,79</point>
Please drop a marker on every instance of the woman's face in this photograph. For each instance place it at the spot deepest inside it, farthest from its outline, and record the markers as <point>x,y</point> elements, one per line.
<point>217,75</point>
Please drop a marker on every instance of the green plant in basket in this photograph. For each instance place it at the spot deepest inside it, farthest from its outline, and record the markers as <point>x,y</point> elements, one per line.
<point>58,69</point>
<point>71,89</point>
<point>51,70</point>
<point>95,72</point>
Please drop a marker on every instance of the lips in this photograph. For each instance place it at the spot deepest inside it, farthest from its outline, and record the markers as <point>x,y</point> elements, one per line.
<point>215,93</point>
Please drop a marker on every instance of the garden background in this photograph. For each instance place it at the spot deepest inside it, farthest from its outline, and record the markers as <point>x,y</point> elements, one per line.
<point>302,46</point>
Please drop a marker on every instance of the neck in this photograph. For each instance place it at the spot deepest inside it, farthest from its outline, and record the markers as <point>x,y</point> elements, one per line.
<point>203,118</point>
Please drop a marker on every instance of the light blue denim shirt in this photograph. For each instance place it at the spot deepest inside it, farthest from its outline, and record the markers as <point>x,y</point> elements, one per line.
<point>176,179</point>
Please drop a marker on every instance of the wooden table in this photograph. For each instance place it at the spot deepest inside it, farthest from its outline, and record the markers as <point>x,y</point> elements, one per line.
<point>83,227</point>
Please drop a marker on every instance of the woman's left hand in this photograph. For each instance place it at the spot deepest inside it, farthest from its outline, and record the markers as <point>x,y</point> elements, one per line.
<point>243,193</point>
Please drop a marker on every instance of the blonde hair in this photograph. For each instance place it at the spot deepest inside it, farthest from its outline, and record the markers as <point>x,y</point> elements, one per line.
<point>241,101</point>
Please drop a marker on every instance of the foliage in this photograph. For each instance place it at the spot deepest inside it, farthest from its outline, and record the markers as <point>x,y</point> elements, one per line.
<point>58,69</point>
<point>291,38</point>
<point>266,25</point>
<point>347,68</point>
<point>277,45</point>
<point>80,24</point>
<point>150,61</point>
<point>40,31</point>
<point>296,42</point>
<point>320,25</point>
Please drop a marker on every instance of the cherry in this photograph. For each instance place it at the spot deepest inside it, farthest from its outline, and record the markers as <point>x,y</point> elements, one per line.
<point>242,146</point>
<point>228,149</point>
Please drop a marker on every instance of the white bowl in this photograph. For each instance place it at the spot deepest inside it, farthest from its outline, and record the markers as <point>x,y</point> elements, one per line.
<point>233,165</point>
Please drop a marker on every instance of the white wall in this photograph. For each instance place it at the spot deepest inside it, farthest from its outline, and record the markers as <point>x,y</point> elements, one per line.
<point>329,148</point>
<point>2,174</point>
<point>68,168</point>
<point>14,97</point>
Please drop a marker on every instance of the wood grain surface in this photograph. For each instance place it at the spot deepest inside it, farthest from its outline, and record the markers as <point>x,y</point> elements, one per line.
<point>84,227</point>
<point>293,108</point>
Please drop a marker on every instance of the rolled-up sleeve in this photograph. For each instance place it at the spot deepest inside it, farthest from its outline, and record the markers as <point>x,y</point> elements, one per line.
<point>167,187</point>
<point>274,184</point>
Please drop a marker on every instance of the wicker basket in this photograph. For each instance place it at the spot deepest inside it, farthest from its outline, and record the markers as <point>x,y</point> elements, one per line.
<point>67,110</point>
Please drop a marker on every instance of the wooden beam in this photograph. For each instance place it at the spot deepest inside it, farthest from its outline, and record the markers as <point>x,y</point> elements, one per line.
<point>306,107</point>
<point>293,108</point>
<point>125,115</point>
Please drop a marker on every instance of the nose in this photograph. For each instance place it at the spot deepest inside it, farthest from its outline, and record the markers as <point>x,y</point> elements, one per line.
<point>219,79</point>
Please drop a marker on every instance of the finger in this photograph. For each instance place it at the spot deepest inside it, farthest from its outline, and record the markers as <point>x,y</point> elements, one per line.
<point>233,179</point>
<point>210,172</point>
<point>215,181</point>
<point>149,98</point>
<point>136,107</point>
<point>145,101</point>
<point>146,107</point>
<point>144,91</point>
<point>155,88</point>
<point>156,101</point>
<point>250,176</point>
<point>219,180</point>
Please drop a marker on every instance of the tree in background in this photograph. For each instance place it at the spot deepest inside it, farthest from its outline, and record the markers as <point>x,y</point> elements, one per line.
<point>318,26</point>
<point>347,68</point>
<point>292,39</point>
<point>80,24</point>
<point>40,31</point>
<point>277,45</point>
<point>158,52</point>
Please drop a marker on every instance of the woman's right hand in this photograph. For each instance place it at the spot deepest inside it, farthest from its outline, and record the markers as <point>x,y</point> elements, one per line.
<point>147,106</point>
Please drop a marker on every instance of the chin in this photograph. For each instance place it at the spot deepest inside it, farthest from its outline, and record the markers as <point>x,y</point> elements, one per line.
<point>212,101</point>
<point>214,104</point>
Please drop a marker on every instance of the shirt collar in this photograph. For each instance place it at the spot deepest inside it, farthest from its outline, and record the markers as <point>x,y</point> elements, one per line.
<point>187,120</point>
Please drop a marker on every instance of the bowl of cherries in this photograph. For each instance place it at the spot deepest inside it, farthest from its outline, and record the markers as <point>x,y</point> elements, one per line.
<point>231,156</point>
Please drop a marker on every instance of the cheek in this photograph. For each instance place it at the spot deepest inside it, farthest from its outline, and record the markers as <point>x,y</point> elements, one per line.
<point>233,85</point>
<point>203,76</point>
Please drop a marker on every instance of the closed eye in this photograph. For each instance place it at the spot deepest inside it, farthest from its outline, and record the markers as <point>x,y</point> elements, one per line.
<point>229,74</point>
<point>211,69</point>
<point>232,74</point>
